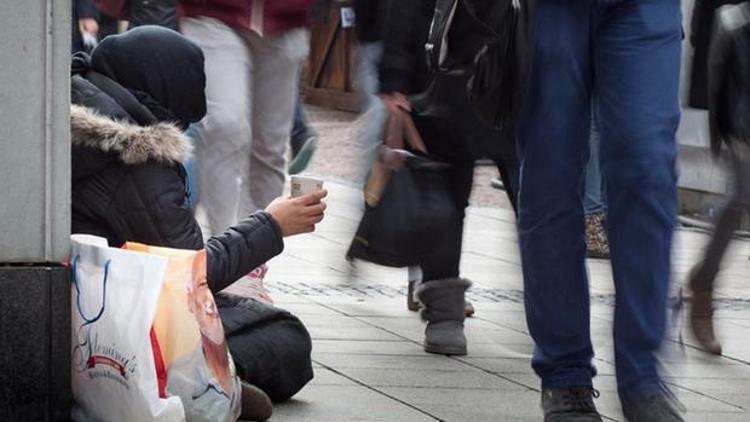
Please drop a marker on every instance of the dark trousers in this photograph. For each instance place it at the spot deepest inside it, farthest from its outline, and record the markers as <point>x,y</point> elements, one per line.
<point>729,218</point>
<point>628,54</point>
<point>271,347</point>
<point>454,134</point>
<point>445,259</point>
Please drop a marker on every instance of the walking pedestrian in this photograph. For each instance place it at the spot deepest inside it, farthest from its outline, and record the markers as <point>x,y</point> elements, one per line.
<point>627,54</point>
<point>728,97</point>
<point>254,51</point>
<point>453,134</point>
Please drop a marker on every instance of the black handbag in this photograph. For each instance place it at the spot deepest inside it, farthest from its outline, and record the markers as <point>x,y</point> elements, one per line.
<point>407,202</point>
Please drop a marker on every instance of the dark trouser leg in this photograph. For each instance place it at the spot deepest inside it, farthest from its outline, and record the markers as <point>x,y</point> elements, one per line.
<point>445,260</point>
<point>553,143</point>
<point>728,222</point>
<point>637,65</point>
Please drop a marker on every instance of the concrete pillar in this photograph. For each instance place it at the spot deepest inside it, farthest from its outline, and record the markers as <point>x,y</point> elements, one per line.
<point>34,210</point>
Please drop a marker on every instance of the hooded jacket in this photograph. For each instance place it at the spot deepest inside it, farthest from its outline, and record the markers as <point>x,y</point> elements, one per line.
<point>128,184</point>
<point>729,77</point>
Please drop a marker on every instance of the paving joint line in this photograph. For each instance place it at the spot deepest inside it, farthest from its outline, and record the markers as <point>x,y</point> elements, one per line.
<point>454,358</point>
<point>378,391</point>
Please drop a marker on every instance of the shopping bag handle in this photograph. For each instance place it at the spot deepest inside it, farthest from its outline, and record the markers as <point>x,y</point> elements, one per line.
<point>88,321</point>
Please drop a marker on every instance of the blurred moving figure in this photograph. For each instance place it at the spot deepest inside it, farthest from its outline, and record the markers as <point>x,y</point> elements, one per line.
<point>453,134</point>
<point>627,54</point>
<point>254,51</point>
<point>85,25</point>
<point>729,120</point>
<point>701,29</point>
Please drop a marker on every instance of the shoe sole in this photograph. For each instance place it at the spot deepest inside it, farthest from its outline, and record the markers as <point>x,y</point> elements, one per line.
<point>302,160</point>
<point>442,350</point>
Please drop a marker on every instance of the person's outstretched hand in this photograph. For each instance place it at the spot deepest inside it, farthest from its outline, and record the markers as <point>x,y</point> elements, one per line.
<point>298,215</point>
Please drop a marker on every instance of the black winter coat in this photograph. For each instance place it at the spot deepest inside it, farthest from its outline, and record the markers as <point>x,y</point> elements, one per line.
<point>729,77</point>
<point>128,184</point>
<point>441,109</point>
<point>701,28</point>
<point>371,18</point>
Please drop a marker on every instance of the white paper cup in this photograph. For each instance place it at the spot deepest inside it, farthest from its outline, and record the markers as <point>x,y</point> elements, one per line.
<point>302,185</point>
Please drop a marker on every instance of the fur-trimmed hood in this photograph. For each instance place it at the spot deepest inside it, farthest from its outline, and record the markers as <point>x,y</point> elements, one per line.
<point>133,144</point>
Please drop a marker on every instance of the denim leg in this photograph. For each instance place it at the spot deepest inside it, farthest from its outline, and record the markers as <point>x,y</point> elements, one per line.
<point>637,66</point>
<point>301,130</point>
<point>553,143</point>
<point>366,79</point>
<point>193,133</point>
<point>594,198</point>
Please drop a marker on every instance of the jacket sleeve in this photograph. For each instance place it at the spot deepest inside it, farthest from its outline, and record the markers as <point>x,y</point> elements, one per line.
<point>718,71</point>
<point>242,248</point>
<point>403,59</point>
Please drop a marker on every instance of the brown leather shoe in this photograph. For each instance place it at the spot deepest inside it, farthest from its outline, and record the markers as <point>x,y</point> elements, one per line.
<point>702,316</point>
<point>256,405</point>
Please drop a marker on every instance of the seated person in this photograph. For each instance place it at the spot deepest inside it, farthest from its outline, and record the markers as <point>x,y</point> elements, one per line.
<point>132,99</point>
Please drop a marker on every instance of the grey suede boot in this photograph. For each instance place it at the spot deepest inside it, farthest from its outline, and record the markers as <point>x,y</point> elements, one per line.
<point>443,308</point>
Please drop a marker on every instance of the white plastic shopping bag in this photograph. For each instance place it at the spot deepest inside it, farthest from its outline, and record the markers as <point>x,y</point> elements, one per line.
<point>115,295</point>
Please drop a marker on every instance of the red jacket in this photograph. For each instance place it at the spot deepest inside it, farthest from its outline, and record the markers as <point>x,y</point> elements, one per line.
<point>278,15</point>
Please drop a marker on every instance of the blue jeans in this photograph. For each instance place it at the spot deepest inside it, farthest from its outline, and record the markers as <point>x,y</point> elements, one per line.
<point>366,79</point>
<point>301,130</point>
<point>628,55</point>
<point>594,198</point>
<point>193,133</point>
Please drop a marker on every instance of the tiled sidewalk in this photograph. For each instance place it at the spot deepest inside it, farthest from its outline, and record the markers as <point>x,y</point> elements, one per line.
<point>370,365</point>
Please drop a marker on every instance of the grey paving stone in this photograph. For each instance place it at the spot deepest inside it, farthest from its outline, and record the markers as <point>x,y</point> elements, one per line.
<point>467,379</point>
<point>345,404</point>
<point>474,405</point>
<point>324,376</point>
<point>368,347</point>
<point>339,332</point>
<point>418,362</point>
<point>715,416</point>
